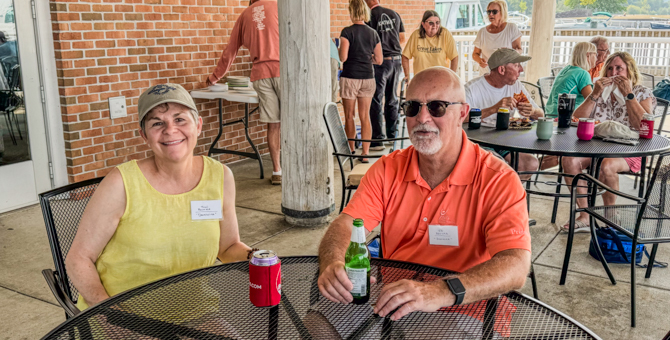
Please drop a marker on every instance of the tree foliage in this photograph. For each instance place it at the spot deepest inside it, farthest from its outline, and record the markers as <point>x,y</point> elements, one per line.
<point>611,6</point>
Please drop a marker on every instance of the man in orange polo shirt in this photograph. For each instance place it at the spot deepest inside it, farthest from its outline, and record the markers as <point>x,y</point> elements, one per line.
<point>603,48</point>
<point>442,202</point>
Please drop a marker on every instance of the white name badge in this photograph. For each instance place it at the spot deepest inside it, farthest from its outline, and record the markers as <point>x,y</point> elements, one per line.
<point>206,210</point>
<point>443,235</point>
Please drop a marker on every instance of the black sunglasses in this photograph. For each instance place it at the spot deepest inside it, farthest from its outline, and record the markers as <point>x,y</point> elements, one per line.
<point>436,108</point>
<point>492,11</point>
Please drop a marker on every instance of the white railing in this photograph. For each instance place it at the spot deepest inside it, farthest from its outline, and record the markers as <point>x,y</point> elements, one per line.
<point>651,54</point>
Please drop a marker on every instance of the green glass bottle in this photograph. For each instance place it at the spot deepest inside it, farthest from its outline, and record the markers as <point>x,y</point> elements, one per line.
<point>357,264</point>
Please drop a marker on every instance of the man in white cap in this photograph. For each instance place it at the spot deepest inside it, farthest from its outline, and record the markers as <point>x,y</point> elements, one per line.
<point>496,90</point>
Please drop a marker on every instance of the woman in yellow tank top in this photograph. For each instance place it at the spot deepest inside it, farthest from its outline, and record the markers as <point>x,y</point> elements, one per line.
<point>164,215</point>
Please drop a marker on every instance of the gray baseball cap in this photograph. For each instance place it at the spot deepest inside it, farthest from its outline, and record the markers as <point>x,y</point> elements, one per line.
<point>164,93</point>
<point>503,56</point>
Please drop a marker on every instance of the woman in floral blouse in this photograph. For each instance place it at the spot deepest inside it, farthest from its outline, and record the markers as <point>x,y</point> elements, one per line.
<point>625,102</point>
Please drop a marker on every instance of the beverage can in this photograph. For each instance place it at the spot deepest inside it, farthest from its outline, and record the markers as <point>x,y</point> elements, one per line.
<point>502,119</point>
<point>264,278</point>
<point>475,119</point>
<point>647,126</point>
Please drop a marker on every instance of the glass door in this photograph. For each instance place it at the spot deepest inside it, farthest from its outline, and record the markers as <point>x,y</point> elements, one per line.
<point>24,161</point>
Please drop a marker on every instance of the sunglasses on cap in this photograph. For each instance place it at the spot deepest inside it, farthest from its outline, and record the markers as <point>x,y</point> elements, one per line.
<point>492,11</point>
<point>436,108</point>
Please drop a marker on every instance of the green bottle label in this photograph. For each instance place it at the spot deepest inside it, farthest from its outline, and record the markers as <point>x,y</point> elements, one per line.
<point>357,262</point>
<point>359,278</point>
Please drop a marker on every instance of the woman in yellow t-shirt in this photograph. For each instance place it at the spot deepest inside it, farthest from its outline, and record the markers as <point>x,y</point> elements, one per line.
<point>167,214</point>
<point>430,45</point>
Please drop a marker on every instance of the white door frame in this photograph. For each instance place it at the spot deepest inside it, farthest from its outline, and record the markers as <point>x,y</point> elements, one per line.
<point>51,101</point>
<point>22,181</point>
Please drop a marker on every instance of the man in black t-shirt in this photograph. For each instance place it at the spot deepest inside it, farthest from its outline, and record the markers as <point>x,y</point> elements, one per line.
<point>391,31</point>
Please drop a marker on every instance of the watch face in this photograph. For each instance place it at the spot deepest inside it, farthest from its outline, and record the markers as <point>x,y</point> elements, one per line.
<point>630,96</point>
<point>456,286</point>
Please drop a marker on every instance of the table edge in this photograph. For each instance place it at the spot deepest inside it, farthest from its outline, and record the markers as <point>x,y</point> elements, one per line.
<point>570,153</point>
<point>112,300</point>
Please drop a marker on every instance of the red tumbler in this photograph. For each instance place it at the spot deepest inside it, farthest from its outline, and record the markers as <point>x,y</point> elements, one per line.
<point>265,279</point>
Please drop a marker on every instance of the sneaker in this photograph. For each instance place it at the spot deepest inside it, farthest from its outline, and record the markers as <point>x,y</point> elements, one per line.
<point>276,180</point>
<point>378,148</point>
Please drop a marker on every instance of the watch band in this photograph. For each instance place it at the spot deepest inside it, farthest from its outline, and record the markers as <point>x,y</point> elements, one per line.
<point>595,100</point>
<point>456,287</point>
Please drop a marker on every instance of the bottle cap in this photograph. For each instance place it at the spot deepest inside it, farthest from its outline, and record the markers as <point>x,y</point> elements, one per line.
<point>503,110</point>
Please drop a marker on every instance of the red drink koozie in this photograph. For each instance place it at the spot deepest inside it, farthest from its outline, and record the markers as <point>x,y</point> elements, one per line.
<point>647,126</point>
<point>265,279</point>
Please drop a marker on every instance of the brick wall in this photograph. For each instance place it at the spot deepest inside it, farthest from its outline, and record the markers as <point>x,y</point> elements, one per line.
<point>109,48</point>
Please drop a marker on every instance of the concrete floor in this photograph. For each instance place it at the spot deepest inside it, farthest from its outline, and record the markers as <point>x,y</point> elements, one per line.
<point>28,310</point>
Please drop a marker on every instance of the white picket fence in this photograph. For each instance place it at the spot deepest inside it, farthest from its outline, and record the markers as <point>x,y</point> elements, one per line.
<point>652,54</point>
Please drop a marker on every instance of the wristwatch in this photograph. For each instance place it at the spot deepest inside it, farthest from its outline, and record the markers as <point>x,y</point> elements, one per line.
<point>456,288</point>
<point>630,96</point>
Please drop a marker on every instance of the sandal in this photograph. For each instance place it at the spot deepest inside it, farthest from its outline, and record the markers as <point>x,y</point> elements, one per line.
<point>365,160</point>
<point>580,227</point>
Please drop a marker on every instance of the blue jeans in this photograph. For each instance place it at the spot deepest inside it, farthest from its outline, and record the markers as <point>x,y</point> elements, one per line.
<point>386,77</point>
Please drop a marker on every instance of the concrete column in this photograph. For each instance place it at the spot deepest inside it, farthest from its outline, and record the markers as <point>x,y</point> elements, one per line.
<point>306,156</point>
<point>541,40</point>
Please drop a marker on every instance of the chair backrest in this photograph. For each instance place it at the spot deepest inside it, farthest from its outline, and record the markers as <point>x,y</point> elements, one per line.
<point>648,80</point>
<point>556,70</point>
<point>14,78</point>
<point>545,85</point>
<point>658,188</point>
<point>336,131</point>
<point>661,112</point>
<point>62,209</point>
<point>535,93</point>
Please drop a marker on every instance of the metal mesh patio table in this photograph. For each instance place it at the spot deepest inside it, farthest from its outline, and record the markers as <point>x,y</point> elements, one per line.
<point>213,303</point>
<point>565,143</point>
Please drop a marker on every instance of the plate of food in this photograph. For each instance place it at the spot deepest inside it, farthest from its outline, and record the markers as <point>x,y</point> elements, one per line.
<point>516,123</point>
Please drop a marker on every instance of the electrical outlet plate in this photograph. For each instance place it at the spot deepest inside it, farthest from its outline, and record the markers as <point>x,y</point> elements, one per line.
<point>117,107</point>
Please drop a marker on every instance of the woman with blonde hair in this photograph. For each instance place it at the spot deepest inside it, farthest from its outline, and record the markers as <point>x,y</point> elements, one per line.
<point>574,78</point>
<point>360,48</point>
<point>616,96</point>
<point>498,34</point>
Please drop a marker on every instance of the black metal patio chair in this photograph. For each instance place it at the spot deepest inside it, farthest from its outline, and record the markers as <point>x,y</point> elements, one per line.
<point>62,209</point>
<point>556,70</point>
<point>342,153</point>
<point>645,220</point>
<point>648,80</point>
<point>545,84</point>
<point>535,93</point>
<point>401,114</point>
<point>660,113</point>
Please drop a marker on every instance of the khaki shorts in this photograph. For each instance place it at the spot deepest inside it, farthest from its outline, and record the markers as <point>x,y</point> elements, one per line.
<point>357,88</point>
<point>269,92</point>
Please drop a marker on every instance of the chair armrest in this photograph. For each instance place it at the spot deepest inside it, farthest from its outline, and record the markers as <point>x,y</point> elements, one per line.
<point>63,300</point>
<point>377,140</point>
<point>357,156</point>
<point>589,178</point>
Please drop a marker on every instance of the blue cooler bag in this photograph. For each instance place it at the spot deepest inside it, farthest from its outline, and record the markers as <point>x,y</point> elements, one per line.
<point>616,248</point>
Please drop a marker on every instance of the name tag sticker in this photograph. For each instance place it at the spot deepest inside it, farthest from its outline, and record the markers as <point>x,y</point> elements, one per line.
<point>206,210</point>
<point>443,235</point>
